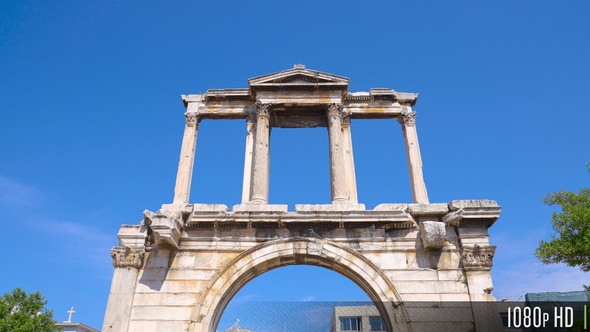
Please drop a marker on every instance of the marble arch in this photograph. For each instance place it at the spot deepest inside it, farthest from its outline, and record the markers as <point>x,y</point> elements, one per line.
<point>296,251</point>
<point>177,269</point>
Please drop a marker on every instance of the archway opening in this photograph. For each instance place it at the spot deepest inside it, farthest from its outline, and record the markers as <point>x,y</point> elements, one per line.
<point>294,298</point>
<point>297,251</point>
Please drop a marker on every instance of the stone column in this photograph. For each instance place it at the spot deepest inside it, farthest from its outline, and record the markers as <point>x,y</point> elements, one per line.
<point>261,164</point>
<point>337,163</point>
<point>348,158</point>
<point>187,158</point>
<point>248,159</point>
<point>408,121</point>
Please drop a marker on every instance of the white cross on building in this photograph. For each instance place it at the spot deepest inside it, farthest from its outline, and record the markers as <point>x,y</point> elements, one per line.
<point>71,312</point>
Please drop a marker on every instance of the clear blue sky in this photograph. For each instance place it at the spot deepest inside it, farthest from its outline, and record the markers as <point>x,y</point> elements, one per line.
<point>91,123</point>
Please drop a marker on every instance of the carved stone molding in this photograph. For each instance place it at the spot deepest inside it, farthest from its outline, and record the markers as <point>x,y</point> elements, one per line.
<point>263,109</point>
<point>127,257</point>
<point>407,118</point>
<point>477,258</point>
<point>192,119</point>
<point>166,225</point>
<point>466,213</point>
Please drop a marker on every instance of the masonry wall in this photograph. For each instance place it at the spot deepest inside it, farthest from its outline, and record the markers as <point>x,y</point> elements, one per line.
<point>385,251</point>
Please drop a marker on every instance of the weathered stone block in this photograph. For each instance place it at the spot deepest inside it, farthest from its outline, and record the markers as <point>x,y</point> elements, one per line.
<point>423,275</point>
<point>160,313</point>
<point>428,209</point>
<point>184,259</point>
<point>449,260</point>
<point>209,207</point>
<point>433,234</point>
<point>261,208</point>
<point>329,207</point>
<point>391,207</point>
<point>165,299</point>
<point>132,236</point>
<point>472,203</point>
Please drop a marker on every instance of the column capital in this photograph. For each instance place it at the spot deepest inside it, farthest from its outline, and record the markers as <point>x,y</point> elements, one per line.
<point>192,119</point>
<point>407,118</point>
<point>477,257</point>
<point>263,109</point>
<point>335,109</point>
<point>127,257</point>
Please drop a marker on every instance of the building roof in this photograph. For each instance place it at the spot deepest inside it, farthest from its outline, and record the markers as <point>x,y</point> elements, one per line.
<point>75,327</point>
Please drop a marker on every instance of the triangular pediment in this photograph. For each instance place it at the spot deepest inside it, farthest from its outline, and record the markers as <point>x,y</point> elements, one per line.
<point>300,77</point>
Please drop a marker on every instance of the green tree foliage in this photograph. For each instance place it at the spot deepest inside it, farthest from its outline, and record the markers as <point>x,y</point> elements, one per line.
<point>20,312</point>
<point>571,243</point>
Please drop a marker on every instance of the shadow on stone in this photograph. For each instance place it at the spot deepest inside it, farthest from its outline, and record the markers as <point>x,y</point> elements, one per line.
<point>156,268</point>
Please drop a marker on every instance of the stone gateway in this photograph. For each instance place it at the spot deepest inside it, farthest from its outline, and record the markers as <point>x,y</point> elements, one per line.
<point>180,266</point>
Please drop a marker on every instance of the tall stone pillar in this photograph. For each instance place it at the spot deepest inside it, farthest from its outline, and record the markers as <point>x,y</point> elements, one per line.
<point>127,259</point>
<point>248,158</point>
<point>187,158</point>
<point>337,163</point>
<point>477,263</point>
<point>348,159</point>
<point>408,121</point>
<point>261,164</point>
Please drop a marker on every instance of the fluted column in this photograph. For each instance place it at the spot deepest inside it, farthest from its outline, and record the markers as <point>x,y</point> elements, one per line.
<point>187,159</point>
<point>408,121</point>
<point>261,164</point>
<point>248,158</point>
<point>337,166</point>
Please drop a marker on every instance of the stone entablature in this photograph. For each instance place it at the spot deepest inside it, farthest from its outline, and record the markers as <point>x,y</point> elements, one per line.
<point>181,265</point>
<point>379,103</point>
